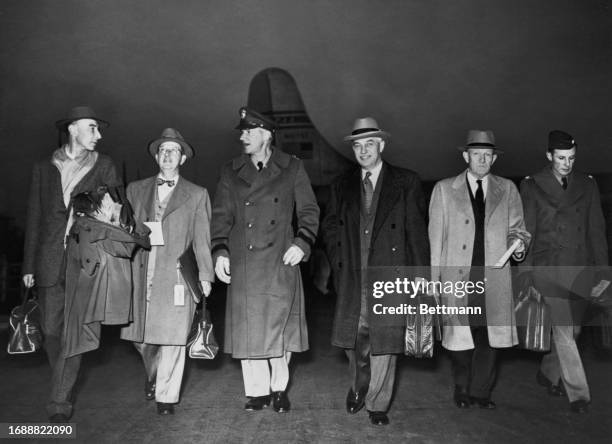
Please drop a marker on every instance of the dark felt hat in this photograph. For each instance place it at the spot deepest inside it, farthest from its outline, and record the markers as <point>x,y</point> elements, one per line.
<point>78,113</point>
<point>480,139</point>
<point>171,135</point>
<point>560,140</point>
<point>250,119</point>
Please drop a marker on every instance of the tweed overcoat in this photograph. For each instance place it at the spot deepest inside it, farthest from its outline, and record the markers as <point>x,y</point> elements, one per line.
<point>47,216</point>
<point>399,238</point>
<point>569,247</point>
<point>185,222</point>
<point>451,234</point>
<point>252,224</point>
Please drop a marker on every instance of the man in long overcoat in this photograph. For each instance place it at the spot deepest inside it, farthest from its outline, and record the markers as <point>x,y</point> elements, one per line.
<point>257,251</point>
<point>567,259</point>
<point>72,168</point>
<point>473,219</point>
<point>163,304</point>
<point>375,217</point>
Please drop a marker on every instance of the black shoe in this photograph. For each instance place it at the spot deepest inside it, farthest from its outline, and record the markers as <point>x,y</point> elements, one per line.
<point>164,408</point>
<point>461,397</point>
<point>257,403</point>
<point>379,418</point>
<point>355,401</point>
<point>580,406</point>
<point>483,403</point>
<point>280,402</point>
<point>149,390</point>
<point>553,390</point>
<point>58,418</point>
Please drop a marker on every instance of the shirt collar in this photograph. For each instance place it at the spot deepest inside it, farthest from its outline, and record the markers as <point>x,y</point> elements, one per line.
<point>375,173</point>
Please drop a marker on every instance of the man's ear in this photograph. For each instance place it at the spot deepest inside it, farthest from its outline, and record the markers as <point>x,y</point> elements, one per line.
<point>549,156</point>
<point>381,145</point>
<point>466,156</point>
<point>493,159</point>
<point>183,159</point>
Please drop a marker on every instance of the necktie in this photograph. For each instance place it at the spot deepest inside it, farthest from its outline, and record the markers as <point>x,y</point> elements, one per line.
<point>259,166</point>
<point>368,189</point>
<point>564,183</point>
<point>479,193</point>
<point>161,181</point>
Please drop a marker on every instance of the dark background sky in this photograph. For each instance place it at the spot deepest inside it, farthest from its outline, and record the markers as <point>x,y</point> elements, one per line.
<point>428,70</point>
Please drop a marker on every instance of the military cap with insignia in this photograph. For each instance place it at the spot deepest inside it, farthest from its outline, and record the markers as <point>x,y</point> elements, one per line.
<point>560,140</point>
<point>250,119</point>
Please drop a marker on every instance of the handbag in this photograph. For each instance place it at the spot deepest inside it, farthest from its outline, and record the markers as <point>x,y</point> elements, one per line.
<point>24,321</point>
<point>420,330</point>
<point>533,320</point>
<point>201,341</point>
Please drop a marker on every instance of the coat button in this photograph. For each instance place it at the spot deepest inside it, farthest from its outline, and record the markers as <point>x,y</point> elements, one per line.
<point>393,249</point>
<point>272,222</point>
<point>339,243</point>
<point>250,247</point>
<point>270,244</point>
<point>247,203</point>
<point>250,225</point>
<point>87,260</point>
<point>276,199</point>
<point>464,246</point>
<point>460,271</point>
<point>467,221</point>
<point>366,231</point>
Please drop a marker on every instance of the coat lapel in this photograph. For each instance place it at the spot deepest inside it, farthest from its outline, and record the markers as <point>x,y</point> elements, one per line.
<point>389,194</point>
<point>352,196</point>
<point>461,196</point>
<point>494,196</point>
<point>178,197</point>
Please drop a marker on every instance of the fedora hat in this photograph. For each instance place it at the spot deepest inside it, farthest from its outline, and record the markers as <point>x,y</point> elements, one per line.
<point>480,139</point>
<point>78,113</point>
<point>366,127</point>
<point>171,135</point>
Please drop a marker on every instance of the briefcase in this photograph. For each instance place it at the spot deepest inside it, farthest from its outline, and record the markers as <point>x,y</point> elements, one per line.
<point>420,329</point>
<point>201,342</point>
<point>26,334</point>
<point>533,320</point>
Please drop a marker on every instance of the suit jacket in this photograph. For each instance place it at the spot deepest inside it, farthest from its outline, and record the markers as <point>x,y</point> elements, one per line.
<point>451,234</point>
<point>399,238</point>
<point>569,248</point>
<point>47,216</point>
<point>185,222</point>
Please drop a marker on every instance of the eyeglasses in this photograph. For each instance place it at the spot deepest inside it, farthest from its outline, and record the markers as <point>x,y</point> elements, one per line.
<point>163,151</point>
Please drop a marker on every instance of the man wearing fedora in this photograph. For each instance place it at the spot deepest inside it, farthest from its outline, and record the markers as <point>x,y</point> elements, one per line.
<point>257,252</point>
<point>474,218</point>
<point>73,168</point>
<point>375,217</point>
<point>178,214</point>
<point>567,262</point>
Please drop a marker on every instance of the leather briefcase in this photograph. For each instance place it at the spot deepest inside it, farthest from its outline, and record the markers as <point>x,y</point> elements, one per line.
<point>26,334</point>
<point>201,341</point>
<point>533,320</point>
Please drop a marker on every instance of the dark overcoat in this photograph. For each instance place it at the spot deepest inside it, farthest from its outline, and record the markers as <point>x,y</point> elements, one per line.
<point>47,216</point>
<point>399,238</point>
<point>252,221</point>
<point>184,223</point>
<point>569,247</point>
<point>98,281</point>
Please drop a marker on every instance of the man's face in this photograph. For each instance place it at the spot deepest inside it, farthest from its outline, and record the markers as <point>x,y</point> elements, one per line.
<point>85,133</point>
<point>254,140</point>
<point>368,151</point>
<point>170,157</point>
<point>562,161</point>
<point>479,160</point>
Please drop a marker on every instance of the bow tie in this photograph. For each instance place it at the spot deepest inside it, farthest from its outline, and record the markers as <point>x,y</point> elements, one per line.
<point>161,181</point>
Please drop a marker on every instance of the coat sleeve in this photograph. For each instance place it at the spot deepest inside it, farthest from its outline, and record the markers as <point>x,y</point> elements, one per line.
<point>33,222</point>
<point>222,217</point>
<point>416,229</point>
<point>516,220</point>
<point>437,230</point>
<point>530,215</point>
<point>307,212</point>
<point>329,225</point>
<point>201,238</point>
<point>598,244</point>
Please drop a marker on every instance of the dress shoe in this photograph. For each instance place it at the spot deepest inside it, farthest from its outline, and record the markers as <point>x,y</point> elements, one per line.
<point>164,408</point>
<point>483,403</point>
<point>378,418</point>
<point>280,402</point>
<point>58,418</point>
<point>257,403</point>
<point>355,401</point>
<point>149,390</point>
<point>461,397</point>
<point>580,406</point>
<point>553,390</point>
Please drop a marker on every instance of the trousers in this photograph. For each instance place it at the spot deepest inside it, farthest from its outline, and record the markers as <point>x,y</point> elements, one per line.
<point>165,364</point>
<point>261,376</point>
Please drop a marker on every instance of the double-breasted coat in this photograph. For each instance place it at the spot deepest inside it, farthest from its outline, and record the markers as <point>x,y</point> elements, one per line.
<point>185,223</point>
<point>569,248</point>
<point>252,224</point>
<point>399,238</point>
<point>451,235</point>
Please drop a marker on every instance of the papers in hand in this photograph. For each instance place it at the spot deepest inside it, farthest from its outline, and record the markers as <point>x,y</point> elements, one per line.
<point>502,260</point>
<point>600,288</point>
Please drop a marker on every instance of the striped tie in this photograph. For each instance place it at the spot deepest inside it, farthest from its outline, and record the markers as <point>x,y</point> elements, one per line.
<point>368,191</point>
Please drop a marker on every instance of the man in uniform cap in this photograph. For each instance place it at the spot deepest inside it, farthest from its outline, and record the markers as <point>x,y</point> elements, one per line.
<point>473,219</point>
<point>73,168</point>
<point>375,217</point>
<point>257,252</point>
<point>567,261</point>
<point>178,214</point>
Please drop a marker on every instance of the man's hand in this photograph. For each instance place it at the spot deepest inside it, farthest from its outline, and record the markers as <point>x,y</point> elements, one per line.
<point>222,269</point>
<point>598,289</point>
<point>206,287</point>
<point>521,247</point>
<point>28,280</point>
<point>293,255</point>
